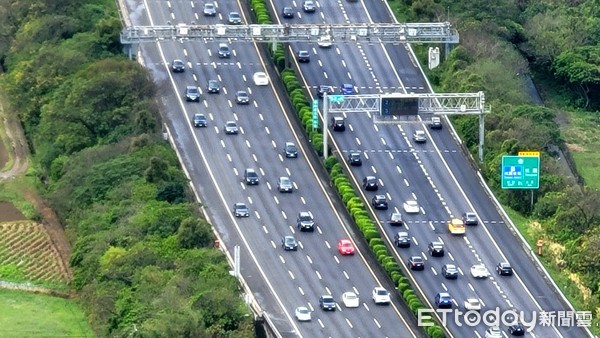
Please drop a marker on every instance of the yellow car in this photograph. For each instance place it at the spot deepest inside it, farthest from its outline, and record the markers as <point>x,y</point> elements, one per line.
<point>456,226</point>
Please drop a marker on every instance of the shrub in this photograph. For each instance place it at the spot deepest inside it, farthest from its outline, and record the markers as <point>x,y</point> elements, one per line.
<point>403,286</point>
<point>370,234</point>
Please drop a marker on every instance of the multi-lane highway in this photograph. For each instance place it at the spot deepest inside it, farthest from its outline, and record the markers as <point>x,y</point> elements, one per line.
<point>280,281</point>
<point>436,174</point>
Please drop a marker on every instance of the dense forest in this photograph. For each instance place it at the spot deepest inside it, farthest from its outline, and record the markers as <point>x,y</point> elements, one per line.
<point>504,44</point>
<point>142,254</point>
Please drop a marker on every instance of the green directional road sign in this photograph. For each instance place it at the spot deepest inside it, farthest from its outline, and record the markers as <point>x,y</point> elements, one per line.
<point>336,98</point>
<point>520,172</point>
<point>315,114</point>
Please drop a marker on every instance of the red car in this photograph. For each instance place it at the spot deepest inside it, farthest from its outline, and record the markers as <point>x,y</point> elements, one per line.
<point>345,247</point>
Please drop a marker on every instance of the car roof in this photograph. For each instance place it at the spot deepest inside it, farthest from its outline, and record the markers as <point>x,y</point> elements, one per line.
<point>434,244</point>
<point>402,234</point>
<point>444,294</point>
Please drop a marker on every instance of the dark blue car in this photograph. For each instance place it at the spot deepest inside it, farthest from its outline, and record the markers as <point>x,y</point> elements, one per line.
<point>348,89</point>
<point>443,299</point>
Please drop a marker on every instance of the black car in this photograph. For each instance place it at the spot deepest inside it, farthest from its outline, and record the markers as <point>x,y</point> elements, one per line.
<point>242,97</point>
<point>516,329</point>
<point>290,150</point>
<point>199,120</point>
<point>322,89</point>
<point>287,12</point>
<point>504,269</point>
<point>305,221</point>
<point>240,210</point>
<point>450,271</point>
<point>212,87</point>
<point>178,66</point>
<point>327,303</point>
<point>370,183</point>
<point>288,243</point>
<point>469,218</point>
<point>402,239</point>
<point>192,94</point>
<point>224,51</point>
<point>396,219</point>
<point>355,159</point>
<point>379,202</point>
<point>436,249</point>
<point>303,56</point>
<point>250,177</point>
<point>337,123</point>
<point>416,263</point>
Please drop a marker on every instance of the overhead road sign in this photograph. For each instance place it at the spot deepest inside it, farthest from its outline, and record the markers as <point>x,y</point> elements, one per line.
<point>520,172</point>
<point>396,33</point>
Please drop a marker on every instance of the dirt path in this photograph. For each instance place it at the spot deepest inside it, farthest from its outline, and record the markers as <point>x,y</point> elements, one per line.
<point>20,154</point>
<point>17,145</point>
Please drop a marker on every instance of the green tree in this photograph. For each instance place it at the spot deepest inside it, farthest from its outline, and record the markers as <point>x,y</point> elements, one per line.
<point>194,233</point>
<point>580,67</point>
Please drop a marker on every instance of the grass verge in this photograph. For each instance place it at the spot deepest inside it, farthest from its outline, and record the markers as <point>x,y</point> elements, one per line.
<point>24,314</point>
<point>560,277</point>
<point>13,191</point>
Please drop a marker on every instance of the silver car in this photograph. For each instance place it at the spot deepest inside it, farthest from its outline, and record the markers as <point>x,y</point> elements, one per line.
<point>284,184</point>
<point>231,127</point>
<point>210,9</point>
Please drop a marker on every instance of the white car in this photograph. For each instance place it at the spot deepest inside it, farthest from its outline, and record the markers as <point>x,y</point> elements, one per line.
<point>350,299</point>
<point>303,314</point>
<point>381,296</point>
<point>325,41</point>
<point>479,271</point>
<point>472,304</point>
<point>411,207</point>
<point>493,332</point>
<point>260,79</point>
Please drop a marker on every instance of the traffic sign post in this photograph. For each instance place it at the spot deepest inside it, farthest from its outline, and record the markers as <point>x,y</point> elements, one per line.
<point>315,114</point>
<point>520,172</point>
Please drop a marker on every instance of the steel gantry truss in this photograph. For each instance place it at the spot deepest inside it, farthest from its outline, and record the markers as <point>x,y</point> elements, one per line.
<point>428,104</point>
<point>441,32</point>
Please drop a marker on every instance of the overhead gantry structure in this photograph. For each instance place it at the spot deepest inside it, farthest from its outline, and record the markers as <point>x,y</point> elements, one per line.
<point>401,108</point>
<point>393,33</point>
